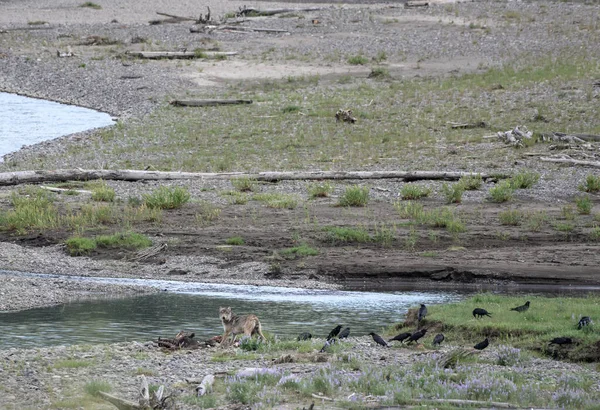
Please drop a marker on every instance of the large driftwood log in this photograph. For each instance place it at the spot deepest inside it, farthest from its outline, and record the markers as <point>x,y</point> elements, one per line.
<point>205,29</point>
<point>207,103</point>
<point>252,12</point>
<point>595,164</point>
<point>416,3</point>
<point>153,55</point>
<point>33,177</point>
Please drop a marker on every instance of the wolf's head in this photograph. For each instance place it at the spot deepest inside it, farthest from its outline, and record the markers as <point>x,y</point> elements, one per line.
<point>225,313</point>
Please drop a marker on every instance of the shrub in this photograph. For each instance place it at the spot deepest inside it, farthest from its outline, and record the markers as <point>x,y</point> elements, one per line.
<point>511,217</point>
<point>235,240</point>
<point>508,355</point>
<point>320,189</point>
<point>525,179</point>
<point>502,192</point>
<point>568,212</point>
<point>207,212</point>
<point>129,240</point>
<point>355,196</point>
<point>300,250</point>
<point>411,191</point>
<point>471,182</point>
<point>595,234</point>
<point>584,205</point>
<point>167,198</point>
<point>453,193</point>
<point>78,246</point>
<point>409,210</point>
<point>244,184</point>
<point>103,193</point>
<point>358,60</point>
<point>34,211</point>
<point>592,184</point>
<point>536,220</point>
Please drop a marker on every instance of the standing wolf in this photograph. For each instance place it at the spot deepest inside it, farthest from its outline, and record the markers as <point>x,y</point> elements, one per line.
<point>235,325</point>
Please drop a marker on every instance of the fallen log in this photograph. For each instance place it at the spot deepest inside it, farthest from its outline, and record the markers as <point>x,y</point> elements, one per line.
<point>203,29</point>
<point>595,164</point>
<point>416,3</point>
<point>60,190</point>
<point>252,12</point>
<point>33,177</point>
<point>572,138</point>
<point>153,55</point>
<point>207,103</point>
<point>458,125</point>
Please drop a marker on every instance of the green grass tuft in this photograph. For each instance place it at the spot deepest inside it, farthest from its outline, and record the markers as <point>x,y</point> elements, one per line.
<point>584,205</point>
<point>235,240</point>
<point>512,217</point>
<point>91,5</point>
<point>103,193</point>
<point>592,184</point>
<point>244,184</point>
<point>471,182</point>
<point>453,193</point>
<point>320,189</point>
<point>300,250</point>
<point>412,191</point>
<point>355,196</point>
<point>524,179</point>
<point>347,234</point>
<point>277,200</point>
<point>167,198</point>
<point>358,59</point>
<point>501,192</point>
<point>94,387</point>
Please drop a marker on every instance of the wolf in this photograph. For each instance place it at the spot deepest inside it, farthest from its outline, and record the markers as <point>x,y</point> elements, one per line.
<point>235,325</point>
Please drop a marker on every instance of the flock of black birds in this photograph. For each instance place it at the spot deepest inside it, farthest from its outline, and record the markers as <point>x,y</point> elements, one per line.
<point>337,333</point>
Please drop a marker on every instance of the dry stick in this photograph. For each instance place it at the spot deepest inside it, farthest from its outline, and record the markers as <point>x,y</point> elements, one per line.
<point>595,164</point>
<point>54,189</point>
<point>180,54</point>
<point>27,177</point>
<point>176,17</point>
<point>271,12</point>
<point>121,404</point>
<point>207,103</point>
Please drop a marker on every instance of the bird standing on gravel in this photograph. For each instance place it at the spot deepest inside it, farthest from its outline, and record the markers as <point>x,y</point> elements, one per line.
<point>422,312</point>
<point>334,332</point>
<point>584,321</point>
<point>482,345</point>
<point>521,308</point>
<point>378,339</point>
<point>416,336</point>
<point>479,312</point>
<point>438,339</point>
<point>344,333</point>
<point>401,337</point>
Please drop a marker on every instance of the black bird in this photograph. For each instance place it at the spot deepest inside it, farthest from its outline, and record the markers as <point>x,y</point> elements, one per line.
<point>344,333</point>
<point>479,312</point>
<point>438,339</point>
<point>422,312</point>
<point>327,344</point>
<point>401,337</point>
<point>521,308</point>
<point>561,341</point>
<point>334,332</point>
<point>304,336</point>
<point>378,339</point>
<point>417,335</point>
<point>482,345</point>
<point>584,321</point>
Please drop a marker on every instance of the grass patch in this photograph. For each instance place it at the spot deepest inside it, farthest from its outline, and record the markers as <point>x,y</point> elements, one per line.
<point>358,59</point>
<point>501,192</point>
<point>78,246</point>
<point>584,205</point>
<point>167,198</point>
<point>535,221</point>
<point>524,179</point>
<point>453,193</point>
<point>337,234</point>
<point>95,386</point>
<point>290,109</point>
<point>355,196</point>
<point>300,250</point>
<point>379,73</point>
<point>244,184</point>
<point>511,217</point>
<point>595,234</point>
<point>277,200</point>
<point>236,198</point>
<point>320,189</point>
<point>207,212</point>
<point>591,184</point>
<point>91,5</point>
<point>34,209</point>
<point>471,182</point>
<point>103,193</point>
<point>235,240</point>
<point>413,191</point>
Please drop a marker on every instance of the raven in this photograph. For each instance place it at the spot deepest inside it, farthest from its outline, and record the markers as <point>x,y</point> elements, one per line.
<point>479,312</point>
<point>482,345</point>
<point>344,333</point>
<point>521,308</point>
<point>417,335</point>
<point>327,344</point>
<point>422,312</point>
<point>334,332</point>
<point>378,339</point>
<point>561,341</point>
<point>401,337</point>
<point>584,321</point>
<point>304,336</point>
<point>438,339</point>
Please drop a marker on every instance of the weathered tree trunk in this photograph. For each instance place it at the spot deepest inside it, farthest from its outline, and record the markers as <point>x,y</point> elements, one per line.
<point>153,55</point>
<point>207,103</point>
<point>251,11</point>
<point>595,164</point>
<point>32,177</point>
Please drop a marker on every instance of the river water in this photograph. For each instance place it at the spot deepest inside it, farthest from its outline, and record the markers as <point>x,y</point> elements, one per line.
<point>27,121</point>
<point>283,311</point>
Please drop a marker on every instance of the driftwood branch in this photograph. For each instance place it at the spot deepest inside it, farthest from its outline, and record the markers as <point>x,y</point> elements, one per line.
<point>237,29</point>
<point>571,138</point>
<point>252,12</point>
<point>207,103</point>
<point>459,125</point>
<point>32,177</point>
<point>457,402</point>
<point>121,404</point>
<point>62,190</point>
<point>153,55</point>
<point>595,164</point>
<point>416,3</point>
